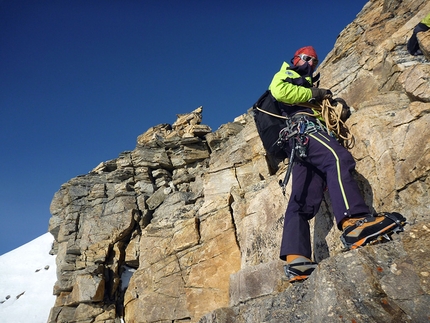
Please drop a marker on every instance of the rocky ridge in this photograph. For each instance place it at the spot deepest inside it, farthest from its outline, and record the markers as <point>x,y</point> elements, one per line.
<point>195,217</point>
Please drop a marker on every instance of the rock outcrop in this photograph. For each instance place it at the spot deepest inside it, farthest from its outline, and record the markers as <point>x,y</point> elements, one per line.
<point>187,226</point>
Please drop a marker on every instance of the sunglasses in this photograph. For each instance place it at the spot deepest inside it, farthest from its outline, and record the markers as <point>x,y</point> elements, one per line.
<point>307,58</point>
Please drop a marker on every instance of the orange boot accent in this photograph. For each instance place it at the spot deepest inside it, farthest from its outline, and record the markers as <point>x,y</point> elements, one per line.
<point>347,222</point>
<point>292,258</point>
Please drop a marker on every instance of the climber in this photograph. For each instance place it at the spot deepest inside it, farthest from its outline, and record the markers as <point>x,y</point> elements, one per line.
<point>413,46</point>
<point>321,162</point>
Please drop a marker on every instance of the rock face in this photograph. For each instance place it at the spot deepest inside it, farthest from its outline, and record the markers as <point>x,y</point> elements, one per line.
<point>187,226</point>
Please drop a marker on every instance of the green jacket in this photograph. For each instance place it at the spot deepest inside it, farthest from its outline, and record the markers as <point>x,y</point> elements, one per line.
<point>287,92</point>
<point>426,20</point>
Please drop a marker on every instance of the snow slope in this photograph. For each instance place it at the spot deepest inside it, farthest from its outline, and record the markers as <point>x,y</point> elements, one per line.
<point>27,277</point>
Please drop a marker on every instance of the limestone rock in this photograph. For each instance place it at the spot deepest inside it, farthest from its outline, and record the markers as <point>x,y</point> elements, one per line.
<point>424,41</point>
<point>87,289</point>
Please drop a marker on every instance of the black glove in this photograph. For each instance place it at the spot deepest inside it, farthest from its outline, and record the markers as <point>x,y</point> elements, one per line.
<point>346,110</point>
<point>320,94</point>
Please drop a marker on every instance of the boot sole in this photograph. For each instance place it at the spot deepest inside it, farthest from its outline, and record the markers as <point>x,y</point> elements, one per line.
<point>298,279</point>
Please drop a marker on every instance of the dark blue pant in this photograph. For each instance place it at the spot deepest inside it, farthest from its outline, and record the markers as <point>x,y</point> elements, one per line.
<point>328,165</point>
<point>413,45</point>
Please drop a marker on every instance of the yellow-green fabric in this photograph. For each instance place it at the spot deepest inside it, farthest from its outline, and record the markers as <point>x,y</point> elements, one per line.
<point>287,92</point>
<point>426,20</point>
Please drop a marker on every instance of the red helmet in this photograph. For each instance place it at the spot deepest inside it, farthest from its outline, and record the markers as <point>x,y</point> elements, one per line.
<point>308,50</point>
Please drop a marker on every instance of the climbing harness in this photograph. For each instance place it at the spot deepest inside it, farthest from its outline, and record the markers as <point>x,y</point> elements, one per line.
<point>296,134</point>
<point>326,117</point>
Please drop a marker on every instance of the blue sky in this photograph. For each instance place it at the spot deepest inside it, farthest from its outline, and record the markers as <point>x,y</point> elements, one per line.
<point>81,79</point>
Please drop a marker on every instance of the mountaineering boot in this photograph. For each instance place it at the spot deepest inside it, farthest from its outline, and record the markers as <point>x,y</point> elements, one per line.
<point>299,268</point>
<point>358,232</point>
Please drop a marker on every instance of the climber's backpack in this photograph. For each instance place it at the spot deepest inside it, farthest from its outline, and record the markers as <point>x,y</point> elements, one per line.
<point>268,126</point>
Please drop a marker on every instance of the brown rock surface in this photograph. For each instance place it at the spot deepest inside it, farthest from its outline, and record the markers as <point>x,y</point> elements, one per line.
<point>196,216</point>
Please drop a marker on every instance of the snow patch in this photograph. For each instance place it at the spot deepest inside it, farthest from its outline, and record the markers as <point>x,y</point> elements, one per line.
<point>27,278</point>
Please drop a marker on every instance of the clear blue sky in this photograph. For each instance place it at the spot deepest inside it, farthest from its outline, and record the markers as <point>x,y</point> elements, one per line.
<point>81,79</point>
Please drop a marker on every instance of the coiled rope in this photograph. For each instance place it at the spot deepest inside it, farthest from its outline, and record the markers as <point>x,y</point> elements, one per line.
<point>332,116</point>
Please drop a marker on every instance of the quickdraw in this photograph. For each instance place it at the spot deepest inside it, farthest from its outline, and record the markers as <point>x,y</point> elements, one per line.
<point>295,134</point>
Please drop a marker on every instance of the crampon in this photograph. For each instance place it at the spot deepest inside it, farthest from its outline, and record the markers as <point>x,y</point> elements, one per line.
<point>299,271</point>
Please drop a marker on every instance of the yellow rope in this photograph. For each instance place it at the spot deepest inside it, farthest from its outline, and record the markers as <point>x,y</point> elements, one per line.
<point>271,114</point>
<point>332,118</point>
